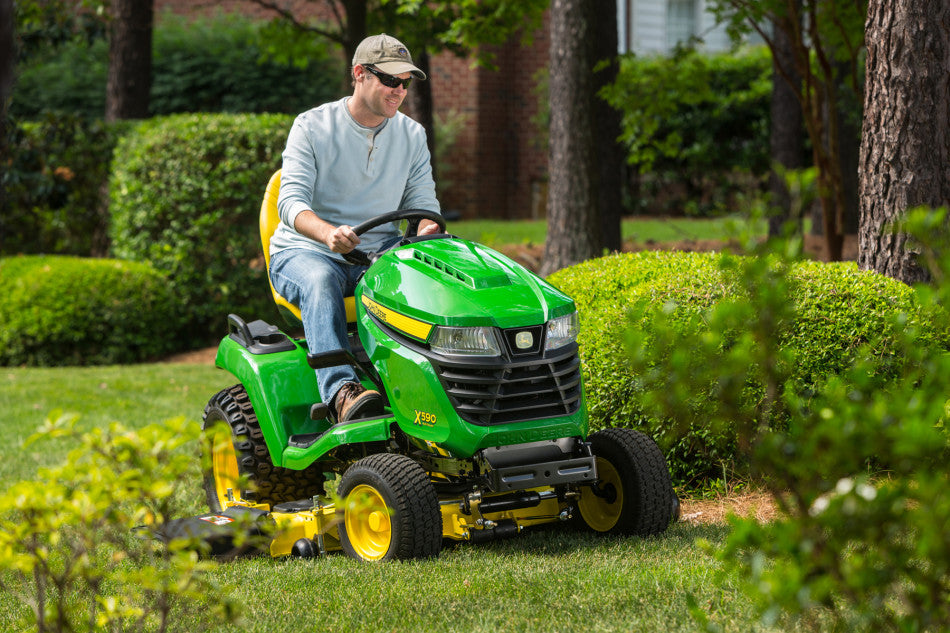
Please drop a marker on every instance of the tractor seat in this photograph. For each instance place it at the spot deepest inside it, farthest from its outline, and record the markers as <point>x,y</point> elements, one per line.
<point>269,221</point>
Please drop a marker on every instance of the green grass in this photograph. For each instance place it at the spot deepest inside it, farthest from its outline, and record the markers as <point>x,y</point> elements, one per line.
<point>544,580</point>
<point>636,230</point>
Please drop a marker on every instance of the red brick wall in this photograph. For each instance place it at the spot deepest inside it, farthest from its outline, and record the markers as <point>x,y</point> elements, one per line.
<point>498,160</point>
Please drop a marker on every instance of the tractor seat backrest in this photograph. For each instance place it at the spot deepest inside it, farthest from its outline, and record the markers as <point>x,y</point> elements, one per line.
<point>268,224</point>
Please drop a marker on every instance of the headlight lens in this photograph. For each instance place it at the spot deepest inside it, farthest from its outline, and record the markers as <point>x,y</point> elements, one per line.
<point>475,341</point>
<point>561,331</point>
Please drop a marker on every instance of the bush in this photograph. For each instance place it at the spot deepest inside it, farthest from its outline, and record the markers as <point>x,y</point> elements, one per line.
<point>696,126</point>
<point>838,315</point>
<point>53,186</point>
<point>67,544</point>
<point>69,311</point>
<point>219,64</point>
<point>185,194</point>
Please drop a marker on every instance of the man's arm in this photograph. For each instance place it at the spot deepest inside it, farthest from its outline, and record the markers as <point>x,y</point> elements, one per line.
<point>339,239</point>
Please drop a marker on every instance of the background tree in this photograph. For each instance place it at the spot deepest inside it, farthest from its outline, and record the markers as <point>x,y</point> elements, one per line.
<point>607,128</point>
<point>785,135</point>
<point>826,37</point>
<point>905,150</point>
<point>130,60</point>
<point>7,52</point>
<point>574,223</point>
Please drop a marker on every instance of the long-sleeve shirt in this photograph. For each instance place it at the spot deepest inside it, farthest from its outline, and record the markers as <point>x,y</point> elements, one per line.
<point>347,173</point>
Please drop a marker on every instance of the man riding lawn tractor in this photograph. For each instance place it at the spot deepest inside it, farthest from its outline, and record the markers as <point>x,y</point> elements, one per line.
<point>438,379</point>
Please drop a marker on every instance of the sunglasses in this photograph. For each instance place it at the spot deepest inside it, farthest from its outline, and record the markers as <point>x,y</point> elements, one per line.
<point>388,80</point>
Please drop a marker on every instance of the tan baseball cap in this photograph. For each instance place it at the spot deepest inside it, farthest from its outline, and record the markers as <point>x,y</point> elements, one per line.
<point>387,54</point>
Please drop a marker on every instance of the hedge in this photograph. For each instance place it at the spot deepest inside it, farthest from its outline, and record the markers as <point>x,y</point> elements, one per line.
<point>185,194</point>
<point>225,63</point>
<point>839,312</point>
<point>60,310</point>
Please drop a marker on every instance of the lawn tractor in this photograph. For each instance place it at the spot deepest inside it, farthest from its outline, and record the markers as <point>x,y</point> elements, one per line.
<point>484,431</point>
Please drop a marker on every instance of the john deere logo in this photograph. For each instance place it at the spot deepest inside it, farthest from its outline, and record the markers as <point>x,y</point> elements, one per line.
<point>524,340</point>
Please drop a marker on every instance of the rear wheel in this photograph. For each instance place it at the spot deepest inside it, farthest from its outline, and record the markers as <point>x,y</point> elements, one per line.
<point>391,510</point>
<point>239,467</point>
<point>633,494</point>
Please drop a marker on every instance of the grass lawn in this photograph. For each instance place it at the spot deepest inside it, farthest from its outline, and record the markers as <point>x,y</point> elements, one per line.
<point>544,580</point>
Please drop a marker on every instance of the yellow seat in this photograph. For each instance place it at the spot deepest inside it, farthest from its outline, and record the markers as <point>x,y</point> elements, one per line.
<point>268,224</point>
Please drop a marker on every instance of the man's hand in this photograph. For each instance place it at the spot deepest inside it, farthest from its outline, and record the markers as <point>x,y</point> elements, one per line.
<point>427,227</point>
<point>342,239</point>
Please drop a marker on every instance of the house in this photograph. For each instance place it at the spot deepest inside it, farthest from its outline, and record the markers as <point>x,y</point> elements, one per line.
<point>498,164</point>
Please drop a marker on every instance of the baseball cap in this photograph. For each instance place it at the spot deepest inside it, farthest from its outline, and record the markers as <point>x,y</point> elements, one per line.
<point>387,54</point>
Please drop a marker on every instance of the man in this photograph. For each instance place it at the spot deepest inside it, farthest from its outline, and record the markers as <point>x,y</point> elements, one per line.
<point>346,162</point>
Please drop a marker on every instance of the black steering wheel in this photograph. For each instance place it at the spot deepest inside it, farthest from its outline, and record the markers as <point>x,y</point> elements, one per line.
<point>414,217</point>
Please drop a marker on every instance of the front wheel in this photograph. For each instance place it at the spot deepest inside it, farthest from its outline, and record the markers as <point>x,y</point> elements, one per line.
<point>633,494</point>
<point>390,510</point>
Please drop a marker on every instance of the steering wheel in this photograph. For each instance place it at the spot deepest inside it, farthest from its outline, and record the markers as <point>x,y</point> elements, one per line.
<point>414,217</point>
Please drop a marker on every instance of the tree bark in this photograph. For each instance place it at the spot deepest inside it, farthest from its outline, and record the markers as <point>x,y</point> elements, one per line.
<point>786,132</point>
<point>130,60</point>
<point>574,227</point>
<point>905,149</point>
<point>420,104</point>
<point>607,128</point>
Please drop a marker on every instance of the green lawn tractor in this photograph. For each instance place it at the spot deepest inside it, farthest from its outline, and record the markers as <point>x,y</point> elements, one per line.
<point>484,431</point>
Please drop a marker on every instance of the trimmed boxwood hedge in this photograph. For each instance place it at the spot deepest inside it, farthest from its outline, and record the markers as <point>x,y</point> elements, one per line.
<point>838,309</point>
<point>61,310</point>
<point>185,194</point>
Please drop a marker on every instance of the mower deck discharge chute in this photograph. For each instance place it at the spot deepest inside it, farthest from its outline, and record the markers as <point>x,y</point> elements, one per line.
<point>484,431</point>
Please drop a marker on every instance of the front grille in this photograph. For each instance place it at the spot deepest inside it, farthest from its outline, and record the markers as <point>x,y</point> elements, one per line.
<point>513,392</point>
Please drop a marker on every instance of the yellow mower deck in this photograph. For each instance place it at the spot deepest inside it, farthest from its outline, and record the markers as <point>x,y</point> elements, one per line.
<point>462,520</point>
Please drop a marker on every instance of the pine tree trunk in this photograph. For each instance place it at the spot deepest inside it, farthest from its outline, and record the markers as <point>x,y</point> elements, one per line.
<point>574,228</point>
<point>130,60</point>
<point>905,149</point>
<point>608,122</point>
<point>785,135</point>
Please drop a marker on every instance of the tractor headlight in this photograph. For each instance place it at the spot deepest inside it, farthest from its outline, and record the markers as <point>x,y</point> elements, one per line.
<point>561,331</point>
<point>475,341</point>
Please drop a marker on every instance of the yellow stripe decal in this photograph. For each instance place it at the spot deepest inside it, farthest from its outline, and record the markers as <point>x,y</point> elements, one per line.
<point>401,322</point>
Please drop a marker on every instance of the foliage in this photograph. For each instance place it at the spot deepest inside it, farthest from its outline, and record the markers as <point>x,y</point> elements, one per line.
<point>695,121</point>
<point>185,196</point>
<point>59,310</point>
<point>53,179</point>
<point>67,545</point>
<point>858,466</point>
<point>834,315</point>
<point>218,64</point>
<point>824,68</point>
<point>42,25</point>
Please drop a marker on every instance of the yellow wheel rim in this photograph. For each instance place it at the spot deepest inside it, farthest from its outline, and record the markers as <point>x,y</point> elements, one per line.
<point>224,466</point>
<point>367,522</point>
<point>600,513</point>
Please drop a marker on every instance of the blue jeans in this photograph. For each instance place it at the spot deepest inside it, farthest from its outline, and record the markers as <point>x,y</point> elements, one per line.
<point>317,283</point>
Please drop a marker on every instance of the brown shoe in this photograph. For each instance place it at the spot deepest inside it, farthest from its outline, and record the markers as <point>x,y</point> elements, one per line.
<point>354,401</point>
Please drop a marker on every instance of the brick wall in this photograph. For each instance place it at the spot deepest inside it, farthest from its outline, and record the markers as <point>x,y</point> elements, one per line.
<point>498,166</point>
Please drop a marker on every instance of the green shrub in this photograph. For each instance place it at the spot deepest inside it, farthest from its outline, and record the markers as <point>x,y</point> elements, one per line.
<point>53,180</point>
<point>219,64</point>
<point>60,310</point>
<point>838,314</point>
<point>186,193</point>
<point>696,126</point>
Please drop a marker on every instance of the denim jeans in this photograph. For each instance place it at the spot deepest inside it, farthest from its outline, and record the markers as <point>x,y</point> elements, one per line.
<point>317,284</point>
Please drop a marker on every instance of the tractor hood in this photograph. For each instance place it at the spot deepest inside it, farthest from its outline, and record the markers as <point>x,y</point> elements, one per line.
<point>454,282</point>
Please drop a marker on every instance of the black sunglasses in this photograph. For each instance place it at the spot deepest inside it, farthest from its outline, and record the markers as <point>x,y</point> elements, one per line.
<point>388,80</point>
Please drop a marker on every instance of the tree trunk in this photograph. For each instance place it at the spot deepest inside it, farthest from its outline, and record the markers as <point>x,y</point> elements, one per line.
<point>607,128</point>
<point>785,135</point>
<point>905,148</point>
<point>130,60</point>
<point>420,104</point>
<point>574,228</point>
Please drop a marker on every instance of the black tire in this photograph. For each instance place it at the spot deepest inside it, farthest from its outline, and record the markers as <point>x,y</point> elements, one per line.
<point>243,464</point>
<point>634,495</point>
<point>391,510</point>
